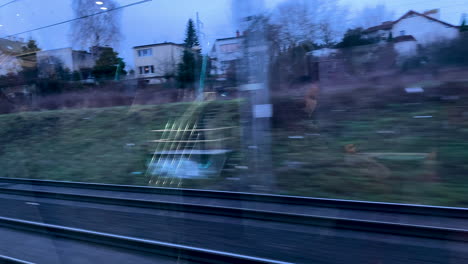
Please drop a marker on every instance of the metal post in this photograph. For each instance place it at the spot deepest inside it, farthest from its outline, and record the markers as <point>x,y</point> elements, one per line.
<point>257,114</point>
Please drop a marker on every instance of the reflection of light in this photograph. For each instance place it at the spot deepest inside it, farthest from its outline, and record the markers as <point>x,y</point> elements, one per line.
<point>414,90</point>
<point>1,25</point>
<point>17,14</point>
<point>99,2</point>
<point>104,8</point>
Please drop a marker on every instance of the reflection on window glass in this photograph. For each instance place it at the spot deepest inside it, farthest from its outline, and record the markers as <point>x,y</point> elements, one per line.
<point>339,99</point>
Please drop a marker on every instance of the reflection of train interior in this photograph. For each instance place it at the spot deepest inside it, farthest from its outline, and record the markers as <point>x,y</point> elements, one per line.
<point>190,147</point>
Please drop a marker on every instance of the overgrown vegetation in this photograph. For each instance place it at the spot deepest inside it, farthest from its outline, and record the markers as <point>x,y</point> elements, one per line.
<point>109,65</point>
<point>354,37</point>
<point>91,145</point>
<point>382,146</point>
<point>440,54</point>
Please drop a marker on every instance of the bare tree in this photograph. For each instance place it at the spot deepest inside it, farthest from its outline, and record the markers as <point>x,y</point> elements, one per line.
<point>296,26</point>
<point>374,15</point>
<point>326,34</point>
<point>303,21</point>
<point>97,30</point>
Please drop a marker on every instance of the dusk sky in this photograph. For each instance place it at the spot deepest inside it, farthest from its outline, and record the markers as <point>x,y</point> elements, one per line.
<point>165,20</point>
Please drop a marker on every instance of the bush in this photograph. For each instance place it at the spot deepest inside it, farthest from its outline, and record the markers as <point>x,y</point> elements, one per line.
<point>443,53</point>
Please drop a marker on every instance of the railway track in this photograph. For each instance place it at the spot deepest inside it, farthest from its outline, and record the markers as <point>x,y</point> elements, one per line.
<point>10,260</point>
<point>158,248</point>
<point>228,204</point>
<point>412,209</point>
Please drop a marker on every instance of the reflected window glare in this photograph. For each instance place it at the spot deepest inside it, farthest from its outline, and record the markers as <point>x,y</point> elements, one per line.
<point>235,131</point>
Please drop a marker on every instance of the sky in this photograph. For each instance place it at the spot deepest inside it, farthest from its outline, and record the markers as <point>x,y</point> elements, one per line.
<point>165,20</point>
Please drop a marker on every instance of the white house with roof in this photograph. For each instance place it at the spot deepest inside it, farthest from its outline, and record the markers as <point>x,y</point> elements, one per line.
<point>224,55</point>
<point>414,29</point>
<point>156,61</point>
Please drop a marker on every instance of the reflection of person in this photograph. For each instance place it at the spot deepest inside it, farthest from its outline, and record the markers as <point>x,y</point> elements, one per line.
<point>311,87</point>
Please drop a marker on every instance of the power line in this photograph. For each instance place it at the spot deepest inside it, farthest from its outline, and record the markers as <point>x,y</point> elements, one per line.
<point>75,19</point>
<point>11,2</point>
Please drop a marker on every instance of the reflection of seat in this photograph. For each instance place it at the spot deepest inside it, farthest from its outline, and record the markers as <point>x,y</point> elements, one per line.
<point>191,140</point>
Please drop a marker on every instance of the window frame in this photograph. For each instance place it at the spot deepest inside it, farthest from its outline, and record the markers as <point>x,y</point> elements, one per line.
<point>147,52</point>
<point>146,69</point>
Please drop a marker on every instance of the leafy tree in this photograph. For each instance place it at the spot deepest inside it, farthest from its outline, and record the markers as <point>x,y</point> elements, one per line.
<point>191,62</point>
<point>354,37</point>
<point>191,37</point>
<point>450,52</point>
<point>30,69</point>
<point>31,46</point>
<point>108,65</point>
<point>76,76</point>
<point>187,69</point>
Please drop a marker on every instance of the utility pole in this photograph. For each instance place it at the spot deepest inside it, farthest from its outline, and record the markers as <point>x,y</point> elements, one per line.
<point>201,39</point>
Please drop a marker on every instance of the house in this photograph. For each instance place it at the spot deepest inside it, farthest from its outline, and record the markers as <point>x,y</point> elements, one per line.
<point>155,62</point>
<point>49,61</point>
<point>405,46</point>
<point>425,28</point>
<point>10,49</point>
<point>226,52</point>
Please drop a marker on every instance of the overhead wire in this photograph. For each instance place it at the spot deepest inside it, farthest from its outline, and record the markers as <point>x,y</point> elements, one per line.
<point>11,2</point>
<point>76,19</point>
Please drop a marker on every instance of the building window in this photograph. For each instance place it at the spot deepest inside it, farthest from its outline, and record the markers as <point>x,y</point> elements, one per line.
<point>145,52</point>
<point>402,33</point>
<point>146,69</point>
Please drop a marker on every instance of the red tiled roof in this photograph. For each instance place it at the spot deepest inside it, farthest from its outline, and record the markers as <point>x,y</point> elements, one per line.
<point>159,44</point>
<point>411,12</point>
<point>387,26</point>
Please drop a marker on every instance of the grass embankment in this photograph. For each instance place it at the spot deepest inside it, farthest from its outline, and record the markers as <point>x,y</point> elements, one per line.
<point>413,153</point>
<point>110,145</point>
<point>107,145</point>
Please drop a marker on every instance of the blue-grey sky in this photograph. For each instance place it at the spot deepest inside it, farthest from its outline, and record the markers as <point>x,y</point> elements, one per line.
<point>165,20</point>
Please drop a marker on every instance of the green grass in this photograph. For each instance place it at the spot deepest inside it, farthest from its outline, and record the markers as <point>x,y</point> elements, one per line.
<point>108,145</point>
<point>327,171</point>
